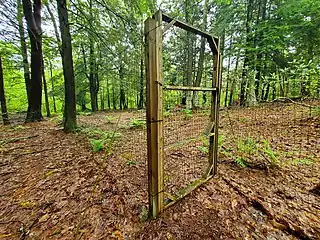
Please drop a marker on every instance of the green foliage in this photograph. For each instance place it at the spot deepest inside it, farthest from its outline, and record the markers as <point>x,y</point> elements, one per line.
<point>166,113</point>
<point>247,146</point>
<point>144,214</point>
<point>240,161</point>
<point>137,124</point>
<point>187,113</point>
<point>131,162</point>
<point>204,149</point>
<point>99,139</point>
<point>97,145</point>
<point>249,150</point>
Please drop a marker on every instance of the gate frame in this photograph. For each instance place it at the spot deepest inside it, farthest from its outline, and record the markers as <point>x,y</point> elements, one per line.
<point>154,39</point>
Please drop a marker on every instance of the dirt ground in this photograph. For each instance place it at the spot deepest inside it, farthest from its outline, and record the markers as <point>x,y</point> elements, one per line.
<point>54,186</point>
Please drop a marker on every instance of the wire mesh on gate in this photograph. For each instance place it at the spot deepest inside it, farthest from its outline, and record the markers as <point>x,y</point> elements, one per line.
<point>186,120</point>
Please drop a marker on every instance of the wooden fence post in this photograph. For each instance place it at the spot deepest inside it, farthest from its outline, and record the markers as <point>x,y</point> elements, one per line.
<point>153,39</point>
<point>214,117</point>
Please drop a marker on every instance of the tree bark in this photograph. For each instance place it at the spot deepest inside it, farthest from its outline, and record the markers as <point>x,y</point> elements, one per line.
<point>244,80</point>
<point>70,120</point>
<point>233,84</point>
<point>33,19</point>
<point>195,96</point>
<point>141,100</point>
<point>92,79</point>
<point>263,11</point>
<point>4,112</point>
<point>52,87</point>
<point>123,104</point>
<point>45,91</point>
<point>24,51</point>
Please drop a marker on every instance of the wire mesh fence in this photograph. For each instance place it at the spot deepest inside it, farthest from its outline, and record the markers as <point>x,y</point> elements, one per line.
<point>186,112</point>
<point>271,134</point>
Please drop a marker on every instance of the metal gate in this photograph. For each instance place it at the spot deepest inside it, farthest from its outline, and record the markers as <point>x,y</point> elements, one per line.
<point>159,149</point>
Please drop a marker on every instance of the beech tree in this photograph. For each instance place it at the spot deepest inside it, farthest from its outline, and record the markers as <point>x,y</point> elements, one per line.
<point>32,14</point>
<point>70,121</point>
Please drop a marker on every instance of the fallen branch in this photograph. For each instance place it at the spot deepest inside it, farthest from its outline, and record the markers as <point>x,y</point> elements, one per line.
<point>3,142</point>
<point>291,100</point>
<point>276,221</point>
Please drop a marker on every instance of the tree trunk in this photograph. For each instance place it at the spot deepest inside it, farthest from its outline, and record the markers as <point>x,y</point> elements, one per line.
<point>45,91</point>
<point>24,52</point>
<point>141,87</point>
<point>70,118</point>
<point>233,85</point>
<point>195,96</point>
<point>33,19</point>
<point>4,112</point>
<point>189,59</point>
<point>92,79</point>
<point>93,86</point>
<point>123,104</point>
<point>244,80</point>
<point>228,77</point>
<point>108,95</point>
<point>263,11</point>
<point>52,87</point>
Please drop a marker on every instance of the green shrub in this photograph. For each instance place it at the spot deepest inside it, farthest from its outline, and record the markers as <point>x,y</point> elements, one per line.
<point>99,140</point>
<point>240,161</point>
<point>97,145</point>
<point>131,162</point>
<point>187,113</point>
<point>137,124</point>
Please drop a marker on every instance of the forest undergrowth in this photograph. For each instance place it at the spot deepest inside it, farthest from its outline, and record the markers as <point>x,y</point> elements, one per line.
<point>92,184</point>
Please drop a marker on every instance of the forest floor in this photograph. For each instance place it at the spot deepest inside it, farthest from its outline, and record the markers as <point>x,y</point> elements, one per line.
<point>54,186</point>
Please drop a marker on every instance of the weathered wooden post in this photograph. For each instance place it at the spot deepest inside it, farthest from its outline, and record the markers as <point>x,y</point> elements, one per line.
<point>153,40</point>
<point>214,116</point>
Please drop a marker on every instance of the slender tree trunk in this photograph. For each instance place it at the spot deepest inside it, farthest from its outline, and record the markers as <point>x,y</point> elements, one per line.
<point>195,96</point>
<point>233,85</point>
<point>52,87</point>
<point>33,19</point>
<point>24,51</point>
<point>108,95</point>
<point>228,79</point>
<point>114,102</point>
<point>263,11</point>
<point>122,91</point>
<point>93,96</point>
<point>70,118</point>
<point>46,97</point>
<point>102,99</point>
<point>92,80</point>
<point>141,87</point>
<point>244,80</point>
<point>4,112</point>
